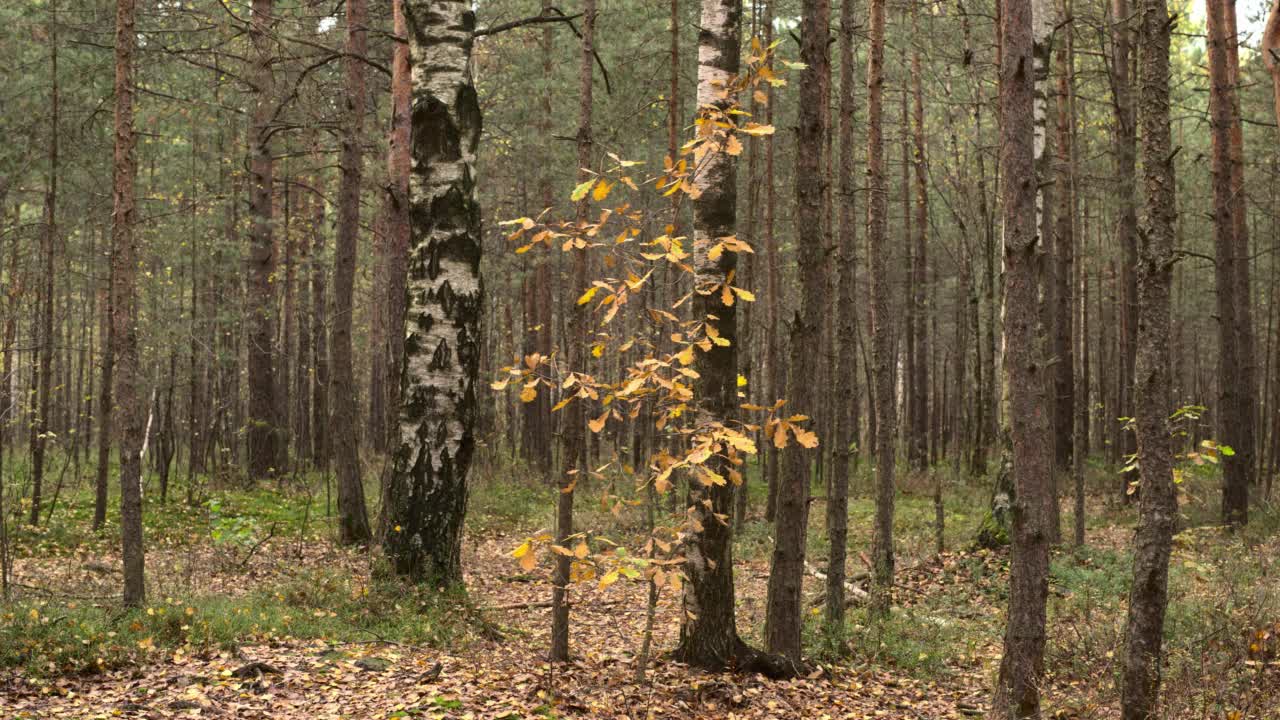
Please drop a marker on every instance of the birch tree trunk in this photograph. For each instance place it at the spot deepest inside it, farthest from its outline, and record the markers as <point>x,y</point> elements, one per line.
<point>1148,596</point>
<point>709,633</point>
<point>427,492</point>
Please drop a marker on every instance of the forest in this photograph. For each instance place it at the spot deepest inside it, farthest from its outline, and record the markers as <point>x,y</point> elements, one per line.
<point>622,359</point>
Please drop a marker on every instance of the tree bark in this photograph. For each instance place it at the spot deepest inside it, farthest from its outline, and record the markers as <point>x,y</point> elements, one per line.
<point>709,634</point>
<point>427,492</point>
<point>920,265</point>
<point>575,445</point>
<point>262,431</point>
<point>847,413</point>
<point>124,266</point>
<point>1064,251</point>
<point>41,430</point>
<point>1148,596</point>
<point>1017,693</point>
<point>882,325</point>
<point>1124,143</point>
<point>353,518</point>
<point>785,617</point>
<point>1231,406</point>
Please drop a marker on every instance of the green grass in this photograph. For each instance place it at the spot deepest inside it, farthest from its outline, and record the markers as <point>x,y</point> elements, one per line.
<point>48,637</point>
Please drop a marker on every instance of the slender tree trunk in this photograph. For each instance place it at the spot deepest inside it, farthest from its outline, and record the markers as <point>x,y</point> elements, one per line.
<point>1231,406</point>
<point>846,395</point>
<point>263,440</point>
<point>319,334</point>
<point>1064,251</point>
<point>920,267</point>
<point>1017,693</point>
<point>1148,597</point>
<point>353,518</point>
<point>882,323</point>
<point>427,493</point>
<point>124,324</point>
<point>708,632</point>
<point>575,447</point>
<point>1125,150</point>
<point>1246,446</point>
<point>786,607</point>
<point>106,404</point>
<point>775,377</point>
<point>41,430</point>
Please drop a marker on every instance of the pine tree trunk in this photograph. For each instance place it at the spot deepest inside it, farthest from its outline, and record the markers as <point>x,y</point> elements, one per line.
<point>263,441</point>
<point>920,412</point>
<point>1148,596</point>
<point>1231,406</point>
<point>319,334</point>
<point>882,324</point>
<point>353,518</point>
<point>1124,143</point>
<point>427,492</point>
<point>846,395</point>
<point>123,307</point>
<point>785,601</point>
<point>41,429</point>
<point>1064,252</point>
<point>1017,693</point>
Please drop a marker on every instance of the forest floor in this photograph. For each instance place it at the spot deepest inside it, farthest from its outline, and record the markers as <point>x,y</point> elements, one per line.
<point>254,613</point>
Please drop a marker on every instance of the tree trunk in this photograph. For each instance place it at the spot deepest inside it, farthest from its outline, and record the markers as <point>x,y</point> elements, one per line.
<point>1125,149</point>
<point>124,325</point>
<point>574,460</point>
<point>846,399</point>
<point>776,377</point>
<point>106,405</point>
<point>1148,597</point>
<point>1017,693</point>
<point>1064,252</point>
<point>319,334</point>
<point>353,518</point>
<point>1231,406</point>
<point>427,492</point>
<point>709,634</point>
<point>786,607</point>
<point>882,324</point>
<point>920,266</point>
<point>41,430</point>
<point>263,440</point>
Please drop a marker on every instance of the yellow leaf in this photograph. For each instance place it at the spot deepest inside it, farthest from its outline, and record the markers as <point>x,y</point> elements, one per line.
<point>733,145</point>
<point>742,380</point>
<point>582,189</point>
<point>521,551</point>
<point>756,129</point>
<point>581,551</point>
<point>598,424</point>
<point>602,190</point>
<point>806,438</point>
<point>528,393</point>
<point>586,296</point>
<point>609,578</point>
